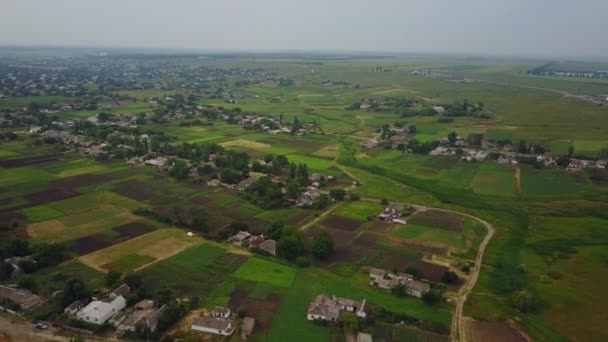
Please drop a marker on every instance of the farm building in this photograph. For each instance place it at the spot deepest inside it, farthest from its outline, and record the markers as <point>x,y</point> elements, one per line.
<point>391,212</point>
<point>213,325</point>
<point>308,197</point>
<point>247,328</point>
<point>23,298</point>
<point>73,308</point>
<point>221,312</point>
<point>269,246</point>
<point>239,238</point>
<point>144,315</point>
<point>388,281</point>
<point>98,311</point>
<point>328,309</point>
<point>364,337</point>
<point>122,290</point>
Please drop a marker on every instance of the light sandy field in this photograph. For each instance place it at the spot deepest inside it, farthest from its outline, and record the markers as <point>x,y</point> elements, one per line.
<point>245,144</point>
<point>157,245</point>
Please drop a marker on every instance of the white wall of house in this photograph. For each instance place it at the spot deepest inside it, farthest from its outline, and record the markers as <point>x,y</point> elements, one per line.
<point>226,332</point>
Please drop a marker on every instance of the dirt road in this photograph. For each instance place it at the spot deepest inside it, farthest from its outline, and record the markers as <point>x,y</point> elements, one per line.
<point>457,328</point>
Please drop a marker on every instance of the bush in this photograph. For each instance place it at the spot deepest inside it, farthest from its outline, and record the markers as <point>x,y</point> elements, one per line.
<point>302,261</point>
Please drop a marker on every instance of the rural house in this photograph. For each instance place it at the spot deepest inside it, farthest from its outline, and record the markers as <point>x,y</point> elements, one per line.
<point>308,197</point>
<point>144,314</point>
<point>239,238</point>
<point>23,298</point>
<point>328,309</point>
<point>99,311</point>
<point>364,337</point>
<point>247,328</point>
<point>392,212</point>
<point>221,312</point>
<point>213,325</point>
<point>73,308</point>
<point>269,246</point>
<point>122,290</point>
<point>388,281</point>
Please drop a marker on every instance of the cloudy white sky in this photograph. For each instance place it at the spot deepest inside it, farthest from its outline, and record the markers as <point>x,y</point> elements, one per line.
<point>511,27</point>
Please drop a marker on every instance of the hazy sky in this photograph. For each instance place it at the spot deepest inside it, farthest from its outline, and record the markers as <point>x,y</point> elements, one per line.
<point>513,27</point>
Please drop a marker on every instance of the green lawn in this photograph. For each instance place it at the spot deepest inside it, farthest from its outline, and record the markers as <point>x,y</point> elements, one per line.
<point>359,210</point>
<point>265,271</point>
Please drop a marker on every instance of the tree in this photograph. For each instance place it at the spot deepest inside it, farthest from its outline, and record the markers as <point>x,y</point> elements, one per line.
<point>276,230</point>
<point>6,270</point>
<point>432,297</point>
<point>524,301</point>
<point>400,290</point>
<point>164,296</point>
<point>570,151</point>
<point>291,246</point>
<point>452,137</point>
<point>229,176</point>
<point>322,246</point>
<point>74,289</point>
<point>133,280</point>
<point>349,321</point>
<point>413,271</point>
<point>113,277</point>
<point>449,277</point>
<point>28,282</point>
<point>337,194</point>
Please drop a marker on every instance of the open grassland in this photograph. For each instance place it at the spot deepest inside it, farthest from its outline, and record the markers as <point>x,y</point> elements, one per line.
<point>140,251</point>
<point>425,234</point>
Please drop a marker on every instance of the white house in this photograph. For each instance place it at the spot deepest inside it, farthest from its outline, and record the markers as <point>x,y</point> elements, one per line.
<point>328,308</point>
<point>98,312</point>
<point>213,325</point>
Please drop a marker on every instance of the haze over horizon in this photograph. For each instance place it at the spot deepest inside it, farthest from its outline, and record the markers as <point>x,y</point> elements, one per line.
<point>541,28</point>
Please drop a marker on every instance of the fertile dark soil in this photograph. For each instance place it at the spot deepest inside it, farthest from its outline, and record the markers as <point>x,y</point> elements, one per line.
<point>136,190</point>
<point>418,247</point>
<point>91,243</point>
<point>262,310</point>
<point>51,195</point>
<point>80,181</point>
<point>340,237</point>
<point>366,239</point>
<point>298,218</point>
<point>342,223</point>
<point>478,331</point>
<point>27,161</point>
<point>438,220</point>
<point>134,229</point>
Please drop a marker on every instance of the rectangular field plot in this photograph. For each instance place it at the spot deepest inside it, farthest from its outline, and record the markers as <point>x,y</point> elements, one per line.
<point>494,179</point>
<point>261,270</point>
<point>313,163</point>
<point>419,233</point>
<point>98,220</point>
<point>359,210</point>
<point>41,213</point>
<point>157,245</point>
<point>545,182</point>
<point>195,271</point>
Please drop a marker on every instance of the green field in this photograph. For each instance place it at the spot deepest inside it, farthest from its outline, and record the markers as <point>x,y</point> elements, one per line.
<point>41,213</point>
<point>261,270</point>
<point>361,211</point>
<point>494,179</point>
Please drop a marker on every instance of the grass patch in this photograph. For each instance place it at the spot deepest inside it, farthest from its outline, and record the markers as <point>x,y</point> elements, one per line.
<point>262,270</point>
<point>313,163</point>
<point>359,210</point>
<point>128,263</point>
<point>494,179</point>
<point>41,213</point>
<point>261,291</point>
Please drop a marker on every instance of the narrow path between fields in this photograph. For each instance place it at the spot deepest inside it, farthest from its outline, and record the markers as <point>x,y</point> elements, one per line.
<point>319,218</point>
<point>517,181</point>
